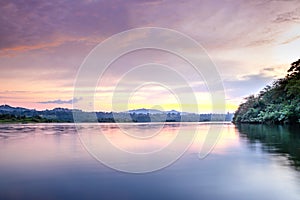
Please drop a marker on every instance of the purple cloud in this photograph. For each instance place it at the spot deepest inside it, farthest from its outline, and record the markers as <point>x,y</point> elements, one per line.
<point>33,24</point>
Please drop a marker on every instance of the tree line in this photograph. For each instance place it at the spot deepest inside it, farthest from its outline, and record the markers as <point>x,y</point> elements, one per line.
<point>278,103</point>
<point>10,118</point>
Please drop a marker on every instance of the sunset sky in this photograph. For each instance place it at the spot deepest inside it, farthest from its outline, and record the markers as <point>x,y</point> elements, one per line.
<point>43,44</point>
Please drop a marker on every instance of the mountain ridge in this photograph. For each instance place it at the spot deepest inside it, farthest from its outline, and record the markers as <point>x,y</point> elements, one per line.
<point>135,115</point>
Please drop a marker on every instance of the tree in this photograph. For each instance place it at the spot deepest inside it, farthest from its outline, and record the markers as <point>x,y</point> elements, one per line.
<point>279,103</point>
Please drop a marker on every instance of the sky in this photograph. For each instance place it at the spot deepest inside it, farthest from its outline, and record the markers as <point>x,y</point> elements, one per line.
<point>44,43</point>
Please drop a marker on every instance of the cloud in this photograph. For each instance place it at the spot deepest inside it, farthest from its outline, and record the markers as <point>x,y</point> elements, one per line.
<point>261,42</point>
<point>220,24</point>
<point>270,69</point>
<point>59,101</point>
<point>33,25</point>
<point>275,71</point>
<point>39,24</point>
<point>292,16</point>
<point>247,84</point>
<point>291,39</point>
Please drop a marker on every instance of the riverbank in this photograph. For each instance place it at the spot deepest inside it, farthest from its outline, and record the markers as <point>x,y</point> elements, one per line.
<point>275,104</point>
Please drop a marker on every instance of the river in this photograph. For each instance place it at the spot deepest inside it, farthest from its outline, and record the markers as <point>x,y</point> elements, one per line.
<point>52,161</point>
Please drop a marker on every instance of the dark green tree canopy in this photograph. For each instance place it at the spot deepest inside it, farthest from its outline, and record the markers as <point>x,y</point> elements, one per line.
<point>279,103</point>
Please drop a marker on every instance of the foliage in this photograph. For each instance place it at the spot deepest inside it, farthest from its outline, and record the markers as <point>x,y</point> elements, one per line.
<point>276,104</point>
<point>10,118</point>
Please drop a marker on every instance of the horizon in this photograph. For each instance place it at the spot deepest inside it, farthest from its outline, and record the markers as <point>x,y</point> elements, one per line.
<point>227,112</point>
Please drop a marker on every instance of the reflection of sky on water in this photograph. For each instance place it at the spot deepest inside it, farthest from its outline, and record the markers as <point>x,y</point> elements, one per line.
<point>48,161</point>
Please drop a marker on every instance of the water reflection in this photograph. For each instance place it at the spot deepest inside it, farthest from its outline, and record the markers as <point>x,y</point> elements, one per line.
<point>47,161</point>
<point>276,140</point>
<point>17,131</point>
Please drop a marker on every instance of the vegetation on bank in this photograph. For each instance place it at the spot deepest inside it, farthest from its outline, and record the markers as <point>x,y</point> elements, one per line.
<point>275,104</point>
<point>24,115</point>
<point>9,118</point>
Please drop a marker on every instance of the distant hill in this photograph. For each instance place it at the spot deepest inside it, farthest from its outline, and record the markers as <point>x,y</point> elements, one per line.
<point>145,111</point>
<point>137,115</point>
<point>153,111</point>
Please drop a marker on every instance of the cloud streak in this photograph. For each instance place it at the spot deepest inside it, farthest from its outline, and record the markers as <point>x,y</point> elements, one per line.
<point>59,101</point>
<point>247,84</point>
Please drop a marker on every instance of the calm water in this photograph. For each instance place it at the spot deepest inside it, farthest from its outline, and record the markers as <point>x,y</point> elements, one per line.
<point>48,161</point>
